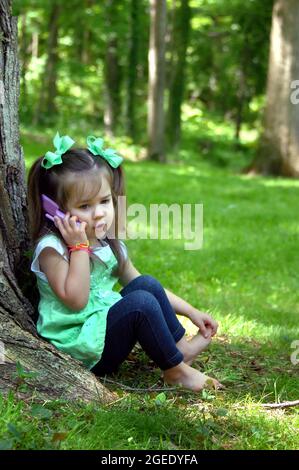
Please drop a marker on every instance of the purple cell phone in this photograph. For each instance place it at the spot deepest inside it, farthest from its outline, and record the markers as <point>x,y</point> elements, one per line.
<point>51,209</point>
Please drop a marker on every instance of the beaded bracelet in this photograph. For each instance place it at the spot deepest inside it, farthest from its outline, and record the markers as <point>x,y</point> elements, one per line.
<point>80,247</point>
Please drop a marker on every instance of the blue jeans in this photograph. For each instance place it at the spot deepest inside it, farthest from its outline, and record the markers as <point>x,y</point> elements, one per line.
<point>144,314</point>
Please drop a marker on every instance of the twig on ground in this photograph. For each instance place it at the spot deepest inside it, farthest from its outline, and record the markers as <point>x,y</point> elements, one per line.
<point>140,390</point>
<point>285,404</point>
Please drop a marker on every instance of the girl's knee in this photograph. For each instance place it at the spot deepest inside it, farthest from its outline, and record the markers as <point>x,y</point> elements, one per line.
<point>145,302</point>
<point>149,283</point>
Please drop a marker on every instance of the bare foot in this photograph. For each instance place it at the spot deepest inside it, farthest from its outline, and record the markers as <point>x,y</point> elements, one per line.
<point>190,378</point>
<point>192,348</point>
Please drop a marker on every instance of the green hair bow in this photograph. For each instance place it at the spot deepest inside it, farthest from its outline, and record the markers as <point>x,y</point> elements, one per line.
<point>95,146</point>
<point>62,144</point>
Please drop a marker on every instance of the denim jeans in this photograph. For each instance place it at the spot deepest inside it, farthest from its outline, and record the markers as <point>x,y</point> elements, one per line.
<point>144,314</point>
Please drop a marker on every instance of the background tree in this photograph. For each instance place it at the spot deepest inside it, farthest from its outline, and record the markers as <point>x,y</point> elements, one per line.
<point>48,90</point>
<point>132,68</point>
<point>156,80</point>
<point>29,360</point>
<point>176,69</point>
<point>112,68</point>
<point>279,148</point>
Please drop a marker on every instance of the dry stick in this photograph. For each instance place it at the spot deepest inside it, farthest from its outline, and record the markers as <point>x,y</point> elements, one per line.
<point>141,390</point>
<point>285,404</point>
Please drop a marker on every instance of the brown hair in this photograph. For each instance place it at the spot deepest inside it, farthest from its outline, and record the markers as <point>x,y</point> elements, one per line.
<point>57,183</point>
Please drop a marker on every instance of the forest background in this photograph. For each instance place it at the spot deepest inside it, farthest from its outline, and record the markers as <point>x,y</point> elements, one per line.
<point>84,65</point>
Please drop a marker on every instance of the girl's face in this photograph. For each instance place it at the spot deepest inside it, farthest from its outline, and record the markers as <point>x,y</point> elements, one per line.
<point>96,210</point>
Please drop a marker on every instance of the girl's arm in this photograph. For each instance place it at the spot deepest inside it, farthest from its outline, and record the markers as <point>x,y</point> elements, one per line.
<point>198,318</point>
<point>129,273</point>
<point>69,281</point>
<point>180,306</point>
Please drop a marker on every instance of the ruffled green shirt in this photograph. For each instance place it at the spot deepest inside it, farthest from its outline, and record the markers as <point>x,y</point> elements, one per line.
<point>78,333</point>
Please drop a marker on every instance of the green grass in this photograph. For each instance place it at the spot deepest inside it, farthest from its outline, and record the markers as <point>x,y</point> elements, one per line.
<point>246,276</point>
<point>182,421</point>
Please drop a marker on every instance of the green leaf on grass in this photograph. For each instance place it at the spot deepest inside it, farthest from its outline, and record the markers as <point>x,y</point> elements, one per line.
<point>17,435</point>
<point>40,412</point>
<point>6,444</point>
<point>221,412</point>
<point>160,399</point>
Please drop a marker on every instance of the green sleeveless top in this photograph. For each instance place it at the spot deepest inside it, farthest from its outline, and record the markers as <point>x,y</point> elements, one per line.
<point>78,333</point>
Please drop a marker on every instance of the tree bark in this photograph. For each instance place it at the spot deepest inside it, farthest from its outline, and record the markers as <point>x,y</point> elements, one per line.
<point>278,153</point>
<point>57,375</point>
<point>156,58</point>
<point>24,57</point>
<point>14,240</point>
<point>49,374</point>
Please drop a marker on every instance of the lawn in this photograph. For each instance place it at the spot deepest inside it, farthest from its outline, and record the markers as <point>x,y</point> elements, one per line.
<point>245,276</point>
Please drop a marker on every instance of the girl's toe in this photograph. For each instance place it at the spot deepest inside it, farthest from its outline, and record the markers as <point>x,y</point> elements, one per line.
<point>213,384</point>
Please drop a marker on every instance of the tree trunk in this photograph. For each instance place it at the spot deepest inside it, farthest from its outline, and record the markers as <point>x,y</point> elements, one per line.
<point>34,45</point>
<point>57,375</point>
<point>179,44</point>
<point>240,105</point>
<point>47,108</point>
<point>112,71</point>
<point>242,87</point>
<point>279,147</point>
<point>46,373</point>
<point>82,41</point>
<point>132,69</point>
<point>156,80</point>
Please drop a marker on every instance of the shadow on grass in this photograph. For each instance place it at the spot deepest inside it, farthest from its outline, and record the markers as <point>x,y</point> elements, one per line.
<point>246,368</point>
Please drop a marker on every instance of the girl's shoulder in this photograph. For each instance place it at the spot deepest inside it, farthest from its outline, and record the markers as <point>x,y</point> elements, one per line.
<point>103,251</point>
<point>52,241</point>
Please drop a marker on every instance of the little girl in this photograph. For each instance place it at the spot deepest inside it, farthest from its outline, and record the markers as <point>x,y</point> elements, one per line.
<point>77,261</point>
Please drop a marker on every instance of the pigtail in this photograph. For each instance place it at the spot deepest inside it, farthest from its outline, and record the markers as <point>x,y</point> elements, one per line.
<point>118,189</point>
<point>119,181</point>
<point>36,218</point>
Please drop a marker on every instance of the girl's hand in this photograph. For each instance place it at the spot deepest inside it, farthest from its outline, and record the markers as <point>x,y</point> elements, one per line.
<point>71,232</point>
<point>205,323</point>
